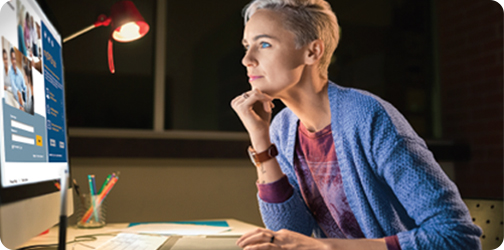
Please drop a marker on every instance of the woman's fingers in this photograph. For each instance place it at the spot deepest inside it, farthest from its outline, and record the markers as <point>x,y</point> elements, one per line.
<point>250,97</point>
<point>263,246</point>
<point>248,234</point>
<point>254,109</point>
<point>255,238</point>
<point>262,239</point>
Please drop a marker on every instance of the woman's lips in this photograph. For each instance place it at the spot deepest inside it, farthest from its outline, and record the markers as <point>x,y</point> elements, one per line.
<point>253,78</point>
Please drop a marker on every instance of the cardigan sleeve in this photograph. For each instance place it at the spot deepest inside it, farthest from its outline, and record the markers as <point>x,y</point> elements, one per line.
<point>430,198</point>
<point>292,214</point>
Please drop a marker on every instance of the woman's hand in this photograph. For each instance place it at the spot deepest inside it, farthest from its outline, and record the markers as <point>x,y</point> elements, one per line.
<point>283,239</point>
<point>254,110</point>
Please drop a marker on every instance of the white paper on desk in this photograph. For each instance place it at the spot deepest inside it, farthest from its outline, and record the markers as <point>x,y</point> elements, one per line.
<point>175,229</point>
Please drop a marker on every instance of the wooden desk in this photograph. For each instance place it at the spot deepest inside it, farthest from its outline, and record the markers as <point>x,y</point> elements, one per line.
<point>237,228</point>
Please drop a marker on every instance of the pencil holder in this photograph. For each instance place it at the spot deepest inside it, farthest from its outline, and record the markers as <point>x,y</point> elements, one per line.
<point>91,212</point>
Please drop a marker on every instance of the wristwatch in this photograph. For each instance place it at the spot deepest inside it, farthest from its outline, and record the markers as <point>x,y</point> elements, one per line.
<point>258,158</point>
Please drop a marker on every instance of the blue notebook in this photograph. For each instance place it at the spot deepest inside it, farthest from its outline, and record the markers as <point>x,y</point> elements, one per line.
<point>216,223</point>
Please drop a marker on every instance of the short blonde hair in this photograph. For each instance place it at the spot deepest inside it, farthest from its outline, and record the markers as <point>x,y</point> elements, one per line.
<point>308,20</point>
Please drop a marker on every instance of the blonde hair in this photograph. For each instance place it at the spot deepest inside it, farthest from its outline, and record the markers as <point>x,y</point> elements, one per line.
<point>308,20</point>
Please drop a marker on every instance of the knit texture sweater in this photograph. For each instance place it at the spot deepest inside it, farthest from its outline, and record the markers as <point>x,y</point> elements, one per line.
<point>392,181</point>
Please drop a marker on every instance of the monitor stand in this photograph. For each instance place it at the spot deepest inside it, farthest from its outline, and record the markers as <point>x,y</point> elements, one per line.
<point>63,215</point>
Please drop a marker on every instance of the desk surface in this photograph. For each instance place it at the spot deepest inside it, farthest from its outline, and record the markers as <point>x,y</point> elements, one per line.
<point>237,228</point>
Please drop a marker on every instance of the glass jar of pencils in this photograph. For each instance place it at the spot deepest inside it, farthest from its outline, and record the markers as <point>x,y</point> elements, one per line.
<point>91,212</point>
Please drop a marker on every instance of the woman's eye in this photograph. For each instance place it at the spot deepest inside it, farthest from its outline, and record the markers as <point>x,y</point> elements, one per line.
<point>245,47</point>
<point>265,45</point>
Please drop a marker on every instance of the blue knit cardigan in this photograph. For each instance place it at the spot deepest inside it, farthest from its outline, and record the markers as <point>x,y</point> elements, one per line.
<point>392,181</point>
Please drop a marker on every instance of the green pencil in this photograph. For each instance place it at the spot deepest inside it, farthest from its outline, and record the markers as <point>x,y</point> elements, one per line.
<point>104,184</point>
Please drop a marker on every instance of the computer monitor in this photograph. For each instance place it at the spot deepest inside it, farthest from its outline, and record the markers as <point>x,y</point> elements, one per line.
<point>33,139</point>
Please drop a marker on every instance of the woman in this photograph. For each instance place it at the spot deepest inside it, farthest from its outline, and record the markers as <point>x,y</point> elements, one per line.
<point>338,163</point>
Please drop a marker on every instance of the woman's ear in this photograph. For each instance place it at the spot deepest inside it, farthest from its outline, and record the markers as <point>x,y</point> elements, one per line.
<point>315,50</point>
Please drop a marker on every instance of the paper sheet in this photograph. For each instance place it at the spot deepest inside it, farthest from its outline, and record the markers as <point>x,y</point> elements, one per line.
<point>175,229</point>
<point>206,244</point>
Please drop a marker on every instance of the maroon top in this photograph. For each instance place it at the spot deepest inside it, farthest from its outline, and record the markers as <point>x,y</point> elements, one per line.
<point>321,185</point>
<point>319,177</point>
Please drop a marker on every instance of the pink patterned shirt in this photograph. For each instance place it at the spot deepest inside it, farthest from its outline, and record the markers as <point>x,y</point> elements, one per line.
<point>318,173</point>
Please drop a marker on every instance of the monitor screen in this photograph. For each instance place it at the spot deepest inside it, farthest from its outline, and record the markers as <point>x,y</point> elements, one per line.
<point>33,140</point>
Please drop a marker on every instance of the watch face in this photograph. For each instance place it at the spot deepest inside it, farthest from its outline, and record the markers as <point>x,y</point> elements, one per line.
<point>252,157</point>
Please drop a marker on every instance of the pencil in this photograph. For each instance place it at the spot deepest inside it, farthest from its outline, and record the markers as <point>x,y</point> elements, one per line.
<point>104,184</point>
<point>100,198</point>
<point>92,191</point>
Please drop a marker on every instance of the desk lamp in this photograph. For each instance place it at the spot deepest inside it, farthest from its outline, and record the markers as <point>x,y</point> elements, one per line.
<point>127,25</point>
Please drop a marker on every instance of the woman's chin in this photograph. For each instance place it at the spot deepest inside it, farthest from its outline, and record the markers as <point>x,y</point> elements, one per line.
<point>263,90</point>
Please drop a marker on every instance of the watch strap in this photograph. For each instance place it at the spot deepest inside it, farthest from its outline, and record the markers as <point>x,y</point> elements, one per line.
<point>263,156</point>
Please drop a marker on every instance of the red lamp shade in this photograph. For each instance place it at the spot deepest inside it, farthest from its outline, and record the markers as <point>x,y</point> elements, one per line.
<point>127,25</point>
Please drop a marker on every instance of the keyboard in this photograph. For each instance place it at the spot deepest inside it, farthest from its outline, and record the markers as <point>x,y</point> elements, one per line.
<point>128,241</point>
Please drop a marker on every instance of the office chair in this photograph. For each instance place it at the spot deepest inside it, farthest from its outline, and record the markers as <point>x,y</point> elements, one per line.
<point>488,215</point>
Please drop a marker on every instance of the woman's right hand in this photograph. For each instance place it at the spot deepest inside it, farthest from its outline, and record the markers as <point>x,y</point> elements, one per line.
<point>254,110</point>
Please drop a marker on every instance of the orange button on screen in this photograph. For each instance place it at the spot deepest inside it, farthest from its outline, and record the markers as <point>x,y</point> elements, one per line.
<point>39,140</point>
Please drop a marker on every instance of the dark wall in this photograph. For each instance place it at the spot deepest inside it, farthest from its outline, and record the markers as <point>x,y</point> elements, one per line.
<point>385,48</point>
<point>471,74</point>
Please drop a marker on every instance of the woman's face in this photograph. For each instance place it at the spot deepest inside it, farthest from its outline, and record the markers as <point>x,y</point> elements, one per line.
<point>273,63</point>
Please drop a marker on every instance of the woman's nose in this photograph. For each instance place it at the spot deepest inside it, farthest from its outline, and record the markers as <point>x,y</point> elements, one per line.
<point>248,59</point>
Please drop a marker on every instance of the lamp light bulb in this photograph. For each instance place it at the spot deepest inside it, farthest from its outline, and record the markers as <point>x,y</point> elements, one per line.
<point>127,32</point>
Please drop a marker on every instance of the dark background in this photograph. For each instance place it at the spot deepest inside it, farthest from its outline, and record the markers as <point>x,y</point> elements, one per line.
<point>438,62</point>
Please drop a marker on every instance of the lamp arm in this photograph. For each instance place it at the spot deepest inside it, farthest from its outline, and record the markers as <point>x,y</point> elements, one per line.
<point>102,20</point>
<point>78,33</point>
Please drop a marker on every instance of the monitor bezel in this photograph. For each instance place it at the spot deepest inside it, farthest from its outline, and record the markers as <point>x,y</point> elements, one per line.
<point>29,196</point>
